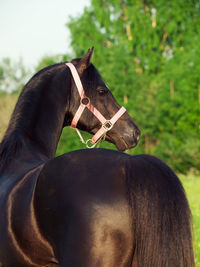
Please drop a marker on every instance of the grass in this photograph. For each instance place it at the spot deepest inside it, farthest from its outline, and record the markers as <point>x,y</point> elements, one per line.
<point>192,188</point>
<point>7,103</point>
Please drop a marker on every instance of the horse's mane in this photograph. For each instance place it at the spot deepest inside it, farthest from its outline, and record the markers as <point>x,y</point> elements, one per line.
<point>28,101</point>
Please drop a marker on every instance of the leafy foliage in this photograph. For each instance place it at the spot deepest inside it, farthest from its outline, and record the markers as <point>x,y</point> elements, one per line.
<point>50,60</point>
<point>13,75</point>
<point>149,52</point>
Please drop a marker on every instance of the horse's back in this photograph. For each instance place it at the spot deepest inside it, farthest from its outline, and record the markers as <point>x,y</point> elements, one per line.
<point>82,206</point>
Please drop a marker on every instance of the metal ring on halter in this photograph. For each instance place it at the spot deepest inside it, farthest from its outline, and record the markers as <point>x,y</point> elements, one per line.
<point>107,125</point>
<point>85,101</point>
<point>93,145</point>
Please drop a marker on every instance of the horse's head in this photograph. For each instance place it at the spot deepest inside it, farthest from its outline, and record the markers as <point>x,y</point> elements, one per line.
<point>124,133</point>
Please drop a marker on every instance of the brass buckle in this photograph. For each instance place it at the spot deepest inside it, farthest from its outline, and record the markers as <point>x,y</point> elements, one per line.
<point>107,125</point>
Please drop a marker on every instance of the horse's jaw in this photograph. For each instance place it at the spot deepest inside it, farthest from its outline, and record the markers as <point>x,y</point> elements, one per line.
<point>122,143</point>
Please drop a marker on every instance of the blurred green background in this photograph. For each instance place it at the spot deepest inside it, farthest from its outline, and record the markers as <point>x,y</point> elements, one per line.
<point>148,53</point>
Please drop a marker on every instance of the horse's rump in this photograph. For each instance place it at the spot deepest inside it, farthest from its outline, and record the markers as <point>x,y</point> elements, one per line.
<point>140,196</point>
<point>84,210</point>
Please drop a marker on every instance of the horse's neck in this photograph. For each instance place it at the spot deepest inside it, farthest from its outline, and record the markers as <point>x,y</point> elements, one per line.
<point>48,117</point>
<point>39,115</point>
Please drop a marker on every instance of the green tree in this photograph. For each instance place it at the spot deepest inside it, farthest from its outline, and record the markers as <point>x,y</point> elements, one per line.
<point>13,75</point>
<point>48,60</point>
<point>149,52</point>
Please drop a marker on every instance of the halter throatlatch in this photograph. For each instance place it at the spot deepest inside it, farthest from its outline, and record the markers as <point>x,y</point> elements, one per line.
<point>85,103</point>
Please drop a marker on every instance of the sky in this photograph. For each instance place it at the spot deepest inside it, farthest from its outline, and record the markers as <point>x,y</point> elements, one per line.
<point>30,29</point>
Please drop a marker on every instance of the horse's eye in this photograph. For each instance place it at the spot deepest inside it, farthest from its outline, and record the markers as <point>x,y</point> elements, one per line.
<point>102,91</point>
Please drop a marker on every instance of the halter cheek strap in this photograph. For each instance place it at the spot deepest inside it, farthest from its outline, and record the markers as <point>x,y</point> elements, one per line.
<point>85,103</point>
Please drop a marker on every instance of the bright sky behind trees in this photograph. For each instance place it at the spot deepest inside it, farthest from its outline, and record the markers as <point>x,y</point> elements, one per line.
<point>34,28</point>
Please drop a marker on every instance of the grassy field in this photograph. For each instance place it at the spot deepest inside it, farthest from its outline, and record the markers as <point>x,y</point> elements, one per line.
<point>7,103</point>
<point>192,187</point>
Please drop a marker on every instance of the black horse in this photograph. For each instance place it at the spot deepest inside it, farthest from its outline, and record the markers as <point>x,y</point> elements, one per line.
<point>88,208</point>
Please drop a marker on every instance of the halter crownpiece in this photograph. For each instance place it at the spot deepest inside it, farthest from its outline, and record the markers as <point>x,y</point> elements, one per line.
<point>85,103</point>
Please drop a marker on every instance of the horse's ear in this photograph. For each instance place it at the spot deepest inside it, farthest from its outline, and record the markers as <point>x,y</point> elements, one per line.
<point>85,61</point>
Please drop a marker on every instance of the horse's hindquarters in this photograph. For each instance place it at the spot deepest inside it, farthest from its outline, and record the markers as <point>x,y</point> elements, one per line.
<point>84,211</point>
<point>95,235</point>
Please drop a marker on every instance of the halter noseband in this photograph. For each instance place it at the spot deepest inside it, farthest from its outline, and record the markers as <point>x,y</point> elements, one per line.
<point>85,102</point>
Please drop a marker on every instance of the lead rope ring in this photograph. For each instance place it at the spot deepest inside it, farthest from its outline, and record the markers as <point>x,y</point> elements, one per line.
<point>102,138</point>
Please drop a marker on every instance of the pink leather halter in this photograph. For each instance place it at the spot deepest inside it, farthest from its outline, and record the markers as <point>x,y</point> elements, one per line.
<point>85,102</point>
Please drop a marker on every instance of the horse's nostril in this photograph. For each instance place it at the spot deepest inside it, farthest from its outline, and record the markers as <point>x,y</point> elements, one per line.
<point>137,134</point>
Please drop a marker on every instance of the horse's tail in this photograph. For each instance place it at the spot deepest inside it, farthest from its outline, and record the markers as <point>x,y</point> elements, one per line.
<point>161,214</point>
